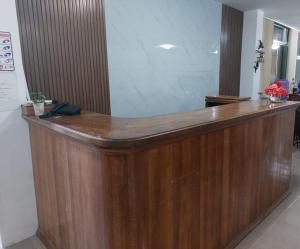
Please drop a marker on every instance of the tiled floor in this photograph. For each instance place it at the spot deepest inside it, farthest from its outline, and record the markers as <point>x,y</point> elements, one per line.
<point>32,243</point>
<point>281,230</point>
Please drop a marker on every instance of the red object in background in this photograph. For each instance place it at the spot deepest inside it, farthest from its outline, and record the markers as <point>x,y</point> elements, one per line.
<point>276,89</point>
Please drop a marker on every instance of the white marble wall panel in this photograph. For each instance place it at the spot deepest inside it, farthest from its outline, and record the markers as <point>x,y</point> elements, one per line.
<point>163,55</point>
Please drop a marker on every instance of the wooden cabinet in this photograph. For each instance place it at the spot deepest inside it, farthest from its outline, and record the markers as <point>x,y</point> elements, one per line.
<point>223,100</point>
<point>294,97</point>
<point>195,180</point>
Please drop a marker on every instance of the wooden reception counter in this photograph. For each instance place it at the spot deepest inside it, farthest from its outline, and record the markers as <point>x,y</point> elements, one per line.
<point>194,180</point>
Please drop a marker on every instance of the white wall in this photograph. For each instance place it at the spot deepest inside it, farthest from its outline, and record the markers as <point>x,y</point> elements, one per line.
<point>266,67</point>
<point>17,200</point>
<point>292,55</point>
<point>252,32</point>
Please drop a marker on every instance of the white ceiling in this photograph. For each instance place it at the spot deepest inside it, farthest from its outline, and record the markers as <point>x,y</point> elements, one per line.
<point>284,11</point>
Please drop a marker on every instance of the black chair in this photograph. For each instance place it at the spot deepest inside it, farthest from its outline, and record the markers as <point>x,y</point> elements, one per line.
<point>297,129</point>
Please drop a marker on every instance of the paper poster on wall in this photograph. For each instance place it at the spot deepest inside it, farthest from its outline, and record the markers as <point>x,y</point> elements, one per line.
<point>6,52</point>
<point>8,92</point>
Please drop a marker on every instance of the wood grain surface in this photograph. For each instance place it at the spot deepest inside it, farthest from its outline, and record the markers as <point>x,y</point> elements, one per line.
<point>204,190</point>
<point>64,50</point>
<point>108,131</point>
<point>231,51</point>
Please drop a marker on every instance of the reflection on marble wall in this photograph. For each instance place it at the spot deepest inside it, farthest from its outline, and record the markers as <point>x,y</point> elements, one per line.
<point>163,55</point>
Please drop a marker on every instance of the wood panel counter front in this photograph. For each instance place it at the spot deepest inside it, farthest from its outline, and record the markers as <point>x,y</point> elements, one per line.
<point>194,180</point>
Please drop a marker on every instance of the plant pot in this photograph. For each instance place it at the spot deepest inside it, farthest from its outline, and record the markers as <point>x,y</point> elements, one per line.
<point>39,109</point>
<point>275,99</point>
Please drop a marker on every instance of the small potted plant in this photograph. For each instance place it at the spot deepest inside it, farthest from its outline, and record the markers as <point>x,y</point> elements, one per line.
<point>276,92</point>
<point>38,99</point>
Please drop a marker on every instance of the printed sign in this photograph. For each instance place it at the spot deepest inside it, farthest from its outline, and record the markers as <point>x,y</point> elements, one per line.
<point>6,53</point>
<point>8,92</point>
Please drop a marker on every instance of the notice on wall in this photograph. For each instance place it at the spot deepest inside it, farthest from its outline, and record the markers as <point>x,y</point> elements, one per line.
<point>6,52</point>
<point>8,92</point>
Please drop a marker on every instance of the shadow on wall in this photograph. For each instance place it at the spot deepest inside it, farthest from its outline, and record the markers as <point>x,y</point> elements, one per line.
<point>1,245</point>
<point>16,180</point>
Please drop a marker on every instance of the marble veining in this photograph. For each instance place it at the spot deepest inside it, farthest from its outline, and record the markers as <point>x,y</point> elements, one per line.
<point>147,75</point>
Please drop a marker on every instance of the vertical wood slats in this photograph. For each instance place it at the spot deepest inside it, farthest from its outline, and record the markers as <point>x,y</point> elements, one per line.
<point>231,50</point>
<point>197,190</point>
<point>64,50</point>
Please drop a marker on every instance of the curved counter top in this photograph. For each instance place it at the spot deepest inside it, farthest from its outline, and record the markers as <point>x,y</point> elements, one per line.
<point>115,132</point>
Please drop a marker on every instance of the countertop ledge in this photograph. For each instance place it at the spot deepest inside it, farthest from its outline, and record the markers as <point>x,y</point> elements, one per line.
<point>115,132</point>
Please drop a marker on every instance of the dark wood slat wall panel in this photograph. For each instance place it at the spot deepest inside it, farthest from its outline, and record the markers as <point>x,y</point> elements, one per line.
<point>231,50</point>
<point>64,50</point>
